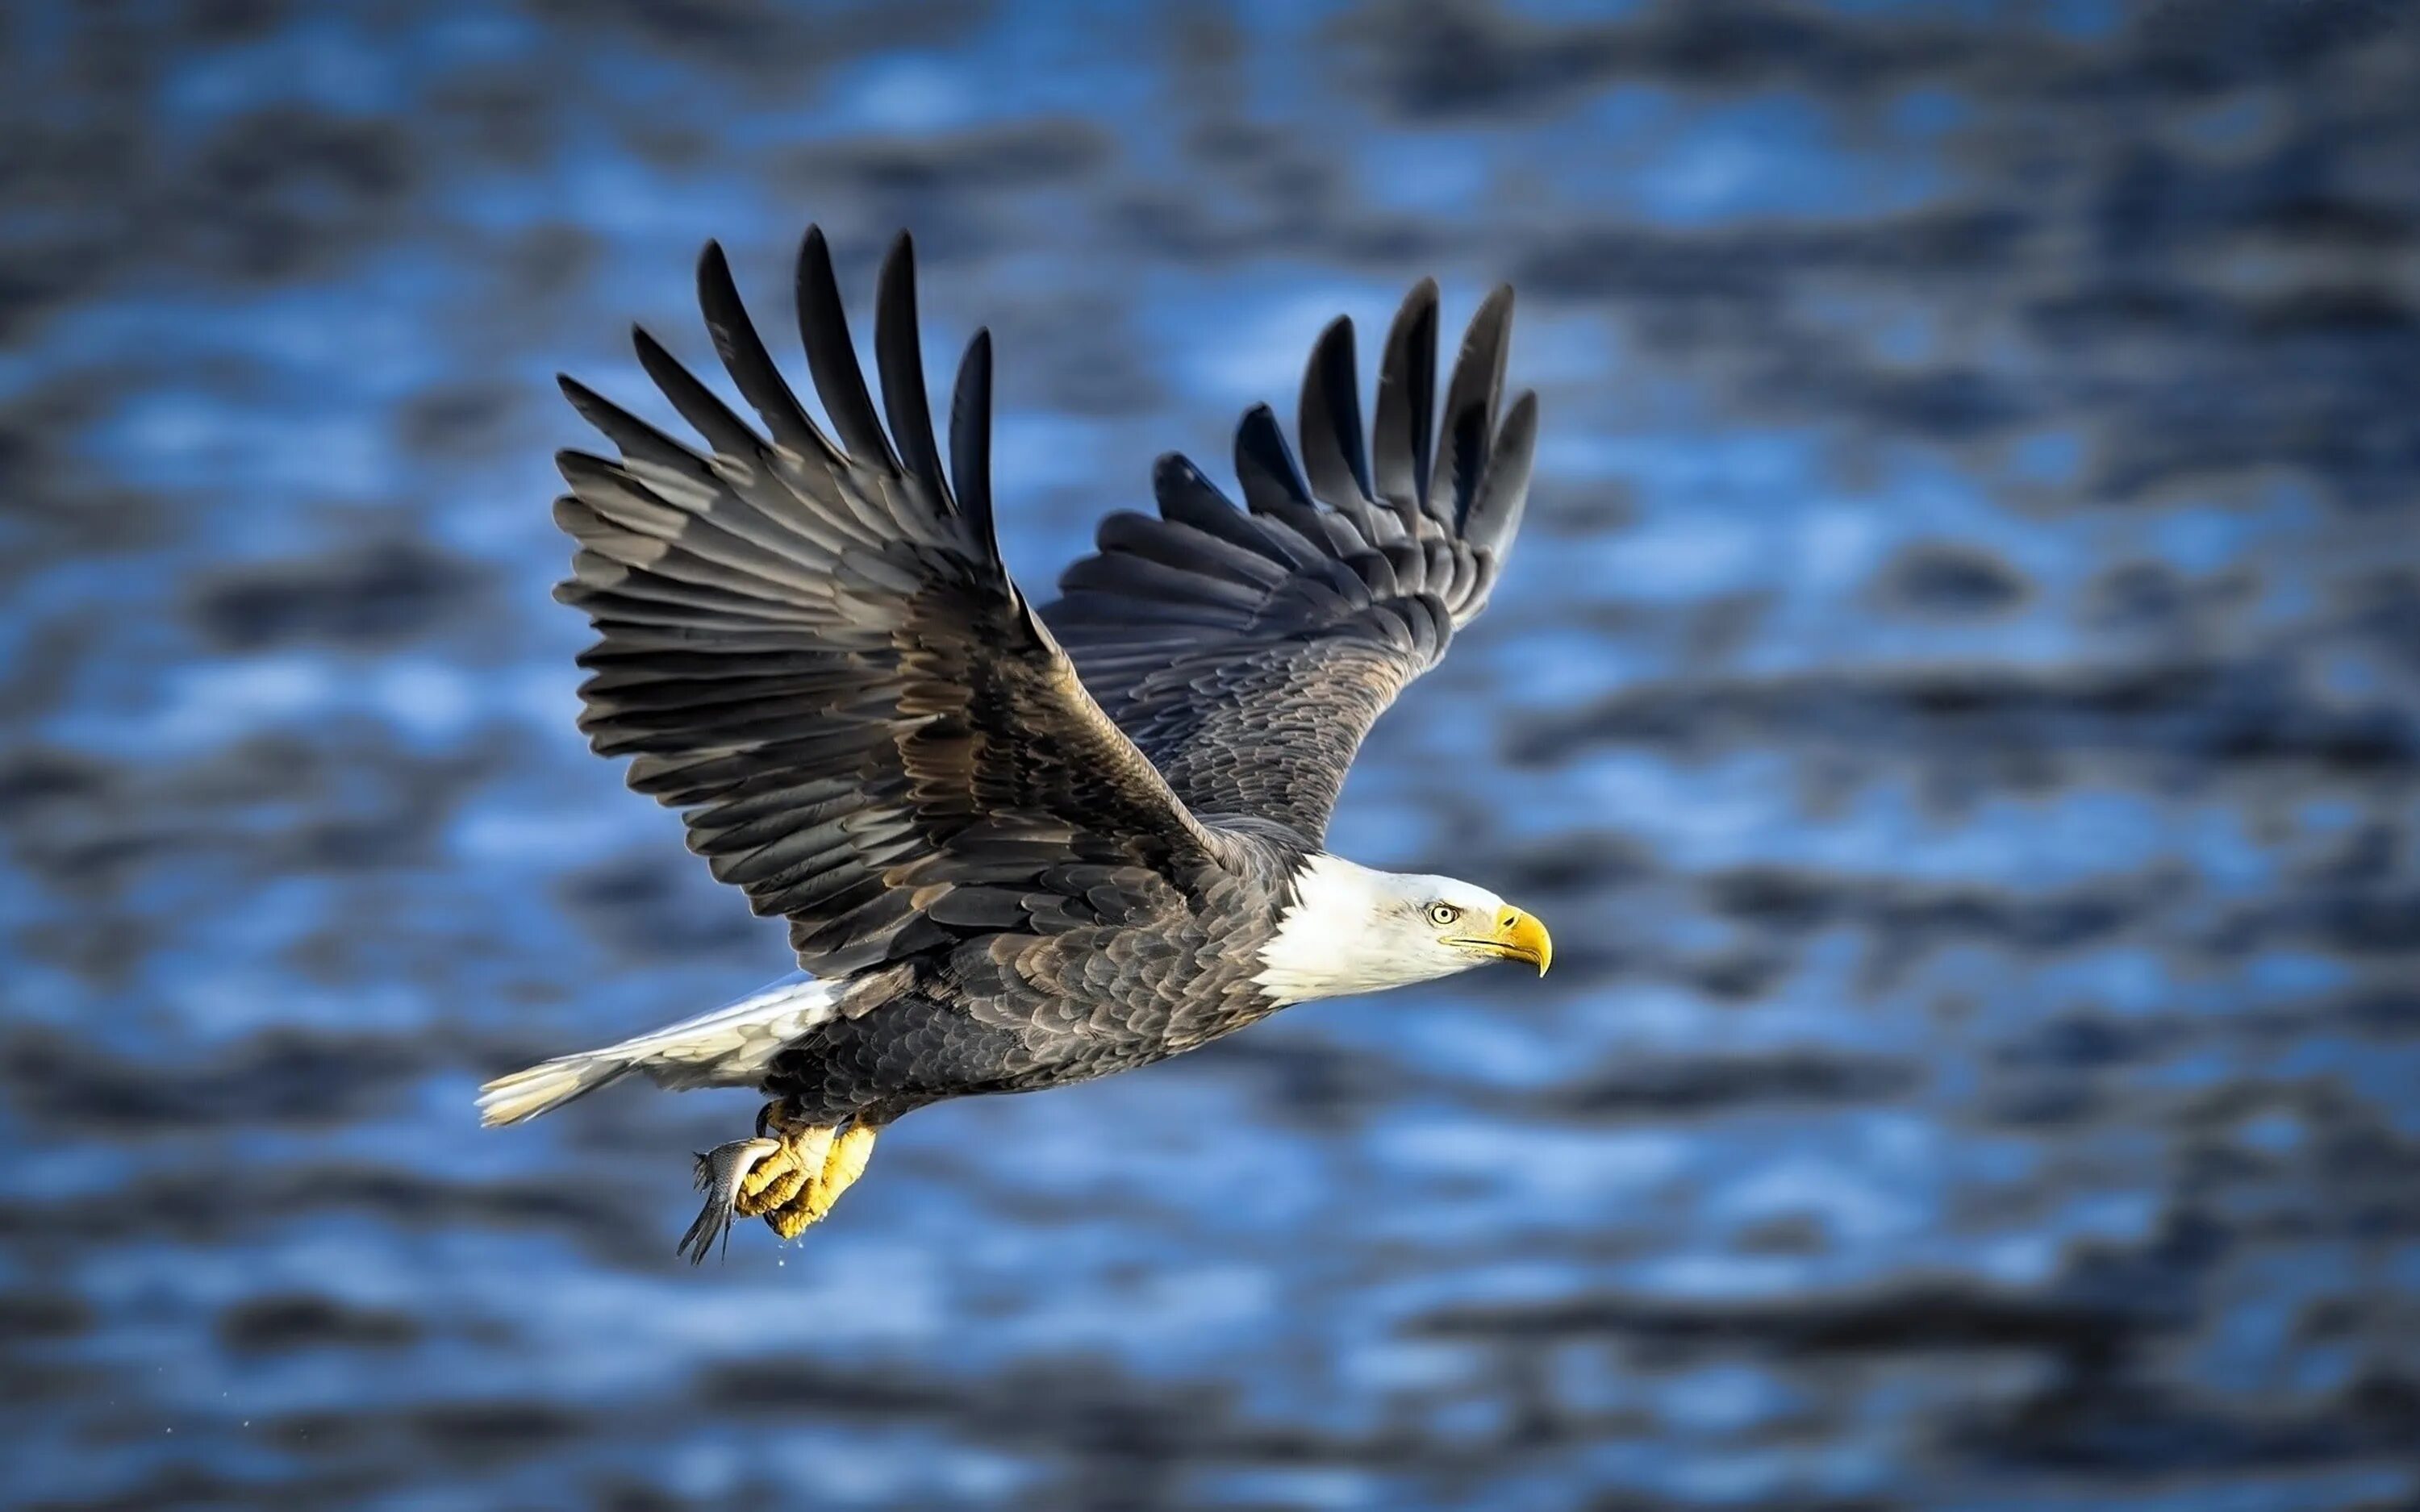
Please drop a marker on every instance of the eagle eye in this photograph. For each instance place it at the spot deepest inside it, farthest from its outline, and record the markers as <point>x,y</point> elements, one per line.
<point>1444,913</point>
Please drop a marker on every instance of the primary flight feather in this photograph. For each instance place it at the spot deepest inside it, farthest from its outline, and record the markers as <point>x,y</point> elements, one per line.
<point>1017,849</point>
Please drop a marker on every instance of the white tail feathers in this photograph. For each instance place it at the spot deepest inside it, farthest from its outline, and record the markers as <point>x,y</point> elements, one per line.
<point>731,1046</point>
<point>548,1085</point>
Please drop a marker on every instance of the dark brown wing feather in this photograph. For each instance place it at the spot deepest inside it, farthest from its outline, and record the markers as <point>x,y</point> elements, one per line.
<point>811,648</point>
<point>1248,651</point>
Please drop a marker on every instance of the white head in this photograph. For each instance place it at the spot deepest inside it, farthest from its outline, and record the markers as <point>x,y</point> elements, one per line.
<point>1352,930</point>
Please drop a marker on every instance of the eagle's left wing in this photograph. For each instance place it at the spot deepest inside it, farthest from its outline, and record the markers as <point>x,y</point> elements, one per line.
<point>1249,650</point>
<point>810,647</point>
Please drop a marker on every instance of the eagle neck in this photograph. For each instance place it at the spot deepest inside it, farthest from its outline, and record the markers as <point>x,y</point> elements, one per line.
<point>1317,948</point>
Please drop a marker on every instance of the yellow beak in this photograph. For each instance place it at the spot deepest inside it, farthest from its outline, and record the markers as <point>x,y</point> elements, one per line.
<point>1516,936</point>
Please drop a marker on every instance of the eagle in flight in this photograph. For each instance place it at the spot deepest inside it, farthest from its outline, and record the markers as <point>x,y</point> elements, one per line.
<point>1017,848</point>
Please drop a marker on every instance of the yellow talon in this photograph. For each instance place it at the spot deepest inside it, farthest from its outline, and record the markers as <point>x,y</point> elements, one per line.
<point>789,1174</point>
<point>781,1176</point>
<point>844,1161</point>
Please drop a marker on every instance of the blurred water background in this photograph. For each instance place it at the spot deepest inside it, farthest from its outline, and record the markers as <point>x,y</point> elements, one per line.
<point>1955,704</point>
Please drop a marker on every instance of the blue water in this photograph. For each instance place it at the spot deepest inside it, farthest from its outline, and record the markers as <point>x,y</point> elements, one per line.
<point>1957,703</point>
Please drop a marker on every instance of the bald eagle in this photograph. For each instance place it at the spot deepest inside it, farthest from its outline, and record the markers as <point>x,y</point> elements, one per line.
<point>1017,848</point>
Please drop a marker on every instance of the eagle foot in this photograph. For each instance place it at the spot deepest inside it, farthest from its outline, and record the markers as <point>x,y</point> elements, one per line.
<point>844,1161</point>
<point>798,1157</point>
<point>789,1174</point>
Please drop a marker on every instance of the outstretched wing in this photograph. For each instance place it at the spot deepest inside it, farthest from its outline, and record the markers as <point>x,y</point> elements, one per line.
<point>1248,651</point>
<point>811,648</point>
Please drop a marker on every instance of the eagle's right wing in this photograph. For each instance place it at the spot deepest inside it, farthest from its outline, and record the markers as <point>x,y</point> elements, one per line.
<point>1249,650</point>
<point>812,648</point>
